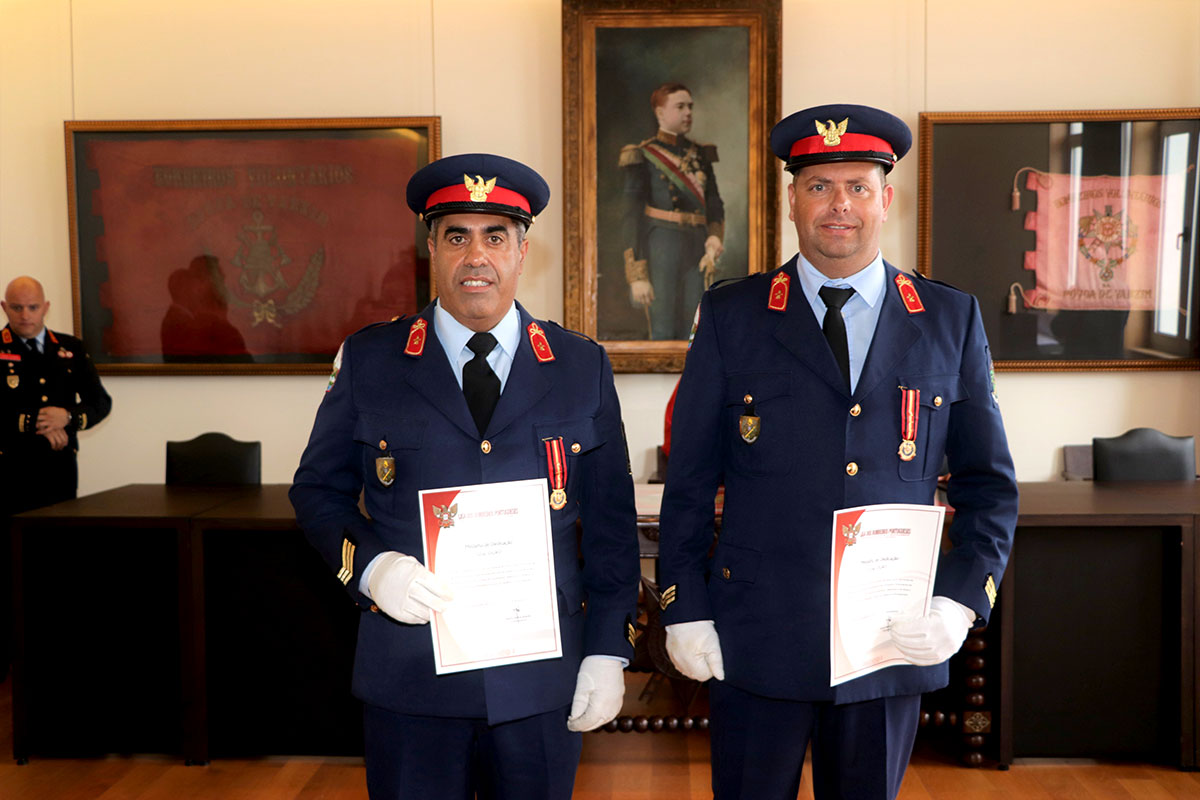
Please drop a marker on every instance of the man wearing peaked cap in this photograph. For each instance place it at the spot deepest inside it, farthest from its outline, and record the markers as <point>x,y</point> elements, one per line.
<point>474,390</point>
<point>832,382</point>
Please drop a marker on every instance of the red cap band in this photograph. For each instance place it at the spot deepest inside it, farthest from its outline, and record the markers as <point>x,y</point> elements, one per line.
<point>459,193</point>
<point>851,142</point>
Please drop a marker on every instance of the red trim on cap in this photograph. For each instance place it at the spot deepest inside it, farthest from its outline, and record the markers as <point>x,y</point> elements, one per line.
<point>811,145</point>
<point>459,193</point>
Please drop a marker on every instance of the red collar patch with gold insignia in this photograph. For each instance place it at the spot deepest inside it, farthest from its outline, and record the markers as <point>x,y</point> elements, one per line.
<point>50,333</point>
<point>908,293</point>
<point>541,347</point>
<point>416,339</point>
<point>778,299</point>
<point>6,335</point>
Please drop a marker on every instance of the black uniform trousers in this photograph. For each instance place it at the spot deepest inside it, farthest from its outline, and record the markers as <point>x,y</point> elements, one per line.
<point>859,750</point>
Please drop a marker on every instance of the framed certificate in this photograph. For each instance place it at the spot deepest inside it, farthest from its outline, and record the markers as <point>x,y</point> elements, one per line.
<point>492,543</point>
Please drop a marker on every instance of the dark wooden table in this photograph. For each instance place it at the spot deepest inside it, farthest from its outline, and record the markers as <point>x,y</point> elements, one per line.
<point>198,621</point>
<point>182,620</point>
<point>1096,627</point>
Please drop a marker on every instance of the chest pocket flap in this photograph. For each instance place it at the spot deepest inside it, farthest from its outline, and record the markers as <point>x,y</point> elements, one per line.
<point>760,386</point>
<point>579,435</point>
<point>398,433</point>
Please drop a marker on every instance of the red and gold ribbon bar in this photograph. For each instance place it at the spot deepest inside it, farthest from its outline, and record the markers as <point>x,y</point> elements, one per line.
<point>779,292</point>
<point>910,408</point>
<point>416,339</point>
<point>556,467</point>
<point>541,346</point>
<point>908,293</point>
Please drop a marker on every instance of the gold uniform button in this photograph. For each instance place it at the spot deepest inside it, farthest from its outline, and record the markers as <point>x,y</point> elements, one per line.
<point>852,468</point>
<point>41,380</point>
<point>937,401</point>
<point>374,608</point>
<point>44,398</point>
<point>725,573</point>
<point>383,444</point>
<point>748,399</point>
<point>575,448</point>
<point>485,446</point>
<point>855,410</point>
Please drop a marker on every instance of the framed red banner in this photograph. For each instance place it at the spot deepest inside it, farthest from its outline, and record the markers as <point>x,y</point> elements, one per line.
<point>242,246</point>
<point>1074,229</point>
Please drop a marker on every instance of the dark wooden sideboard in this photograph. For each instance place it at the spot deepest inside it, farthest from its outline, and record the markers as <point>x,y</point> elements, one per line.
<point>197,621</point>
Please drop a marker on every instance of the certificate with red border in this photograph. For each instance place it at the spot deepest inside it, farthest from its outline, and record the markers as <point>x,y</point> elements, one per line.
<point>492,543</point>
<point>884,559</point>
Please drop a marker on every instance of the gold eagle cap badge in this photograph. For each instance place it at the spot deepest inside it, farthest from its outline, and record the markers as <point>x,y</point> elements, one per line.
<point>479,188</point>
<point>832,131</point>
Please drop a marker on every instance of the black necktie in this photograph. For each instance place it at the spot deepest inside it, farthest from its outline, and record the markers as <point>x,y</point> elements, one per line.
<point>34,349</point>
<point>834,327</point>
<point>480,384</point>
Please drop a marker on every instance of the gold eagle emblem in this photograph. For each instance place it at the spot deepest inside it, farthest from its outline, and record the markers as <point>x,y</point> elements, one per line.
<point>445,515</point>
<point>832,131</point>
<point>479,188</point>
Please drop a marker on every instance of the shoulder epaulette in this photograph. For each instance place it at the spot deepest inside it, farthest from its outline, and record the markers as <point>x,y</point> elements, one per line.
<point>576,333</point>
<point>710,152</point>
<point>631,154</point>
<point>727,281</point>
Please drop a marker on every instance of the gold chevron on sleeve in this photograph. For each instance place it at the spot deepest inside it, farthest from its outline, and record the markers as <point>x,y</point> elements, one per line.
<point>632,634</point>
<point>347,571</point>
<point>989,589</point>
<point>668,597</point>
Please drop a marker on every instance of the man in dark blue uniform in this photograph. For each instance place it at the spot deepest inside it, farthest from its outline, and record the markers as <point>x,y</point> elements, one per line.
<point>51,392</point>
<point>791,398</point>
<point>673,220</point>
<point>474,390</point>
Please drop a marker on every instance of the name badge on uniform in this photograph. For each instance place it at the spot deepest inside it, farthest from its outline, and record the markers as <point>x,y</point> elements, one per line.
<point>556,466</point>
<point>749,424</point>
<point>910,408</point>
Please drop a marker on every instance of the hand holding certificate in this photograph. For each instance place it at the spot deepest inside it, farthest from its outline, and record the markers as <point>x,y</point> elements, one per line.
<point>884,559</point>
<point>492,544</point>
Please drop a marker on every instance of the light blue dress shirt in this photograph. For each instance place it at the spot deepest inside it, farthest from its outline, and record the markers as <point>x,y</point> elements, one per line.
<point>861,311</point>
<point>454,336</point>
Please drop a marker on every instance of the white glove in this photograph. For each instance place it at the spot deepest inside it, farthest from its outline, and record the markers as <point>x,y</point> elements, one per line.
<point>930,640</point>
<point>406,591</point>
<point>599,693</point>
<point>695,649</point>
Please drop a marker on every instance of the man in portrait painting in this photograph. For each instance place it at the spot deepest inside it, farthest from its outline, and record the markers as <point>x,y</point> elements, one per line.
<point>673,220</point>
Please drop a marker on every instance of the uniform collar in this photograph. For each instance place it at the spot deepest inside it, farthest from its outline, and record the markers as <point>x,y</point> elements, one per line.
<point>454,335</point>
<point>868,283</point>
<point>673,139</point>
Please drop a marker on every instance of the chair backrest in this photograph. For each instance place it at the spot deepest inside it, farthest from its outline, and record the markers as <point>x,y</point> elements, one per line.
<point>1077,462</point>
<point>1144,454</point>
<point>214,459</point>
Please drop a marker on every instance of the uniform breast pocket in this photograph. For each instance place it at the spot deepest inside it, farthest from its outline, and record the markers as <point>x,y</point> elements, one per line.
<point>759,425</point>
<point>562,448</point>
<point>391,448</point>
<point>938,393</point>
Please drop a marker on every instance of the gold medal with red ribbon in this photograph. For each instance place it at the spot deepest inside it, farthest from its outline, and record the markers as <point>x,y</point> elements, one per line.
<point>779,292</point>
<point>416,339</point>
<point>556,466</point>
<point>541,346</point>
<point>908,293</point>
<point>910,408</point>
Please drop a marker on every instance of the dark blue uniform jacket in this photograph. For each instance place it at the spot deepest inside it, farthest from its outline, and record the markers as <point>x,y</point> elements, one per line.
<point>414,405</point>
<point>768,592</point>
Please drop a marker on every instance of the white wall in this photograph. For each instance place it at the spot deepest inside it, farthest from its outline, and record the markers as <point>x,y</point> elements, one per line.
<point>492,71</point>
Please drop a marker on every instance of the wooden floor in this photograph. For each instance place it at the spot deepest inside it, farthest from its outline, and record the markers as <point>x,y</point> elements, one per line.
<point>615,766</point>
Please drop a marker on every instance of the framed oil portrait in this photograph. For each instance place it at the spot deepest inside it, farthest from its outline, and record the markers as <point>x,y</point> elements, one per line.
<point>242,246</point>
<point>670,184</point>
<point>1074,229</point>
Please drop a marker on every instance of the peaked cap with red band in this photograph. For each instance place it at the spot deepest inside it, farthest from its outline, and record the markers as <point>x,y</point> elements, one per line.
<point>840,132</point>
<point>477,183</point>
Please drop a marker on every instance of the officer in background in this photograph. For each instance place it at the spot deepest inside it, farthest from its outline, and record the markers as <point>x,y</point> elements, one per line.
<point>792,397</point>
<point>474,390</point>
<point>673,220</point>
<point>51,392</point>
